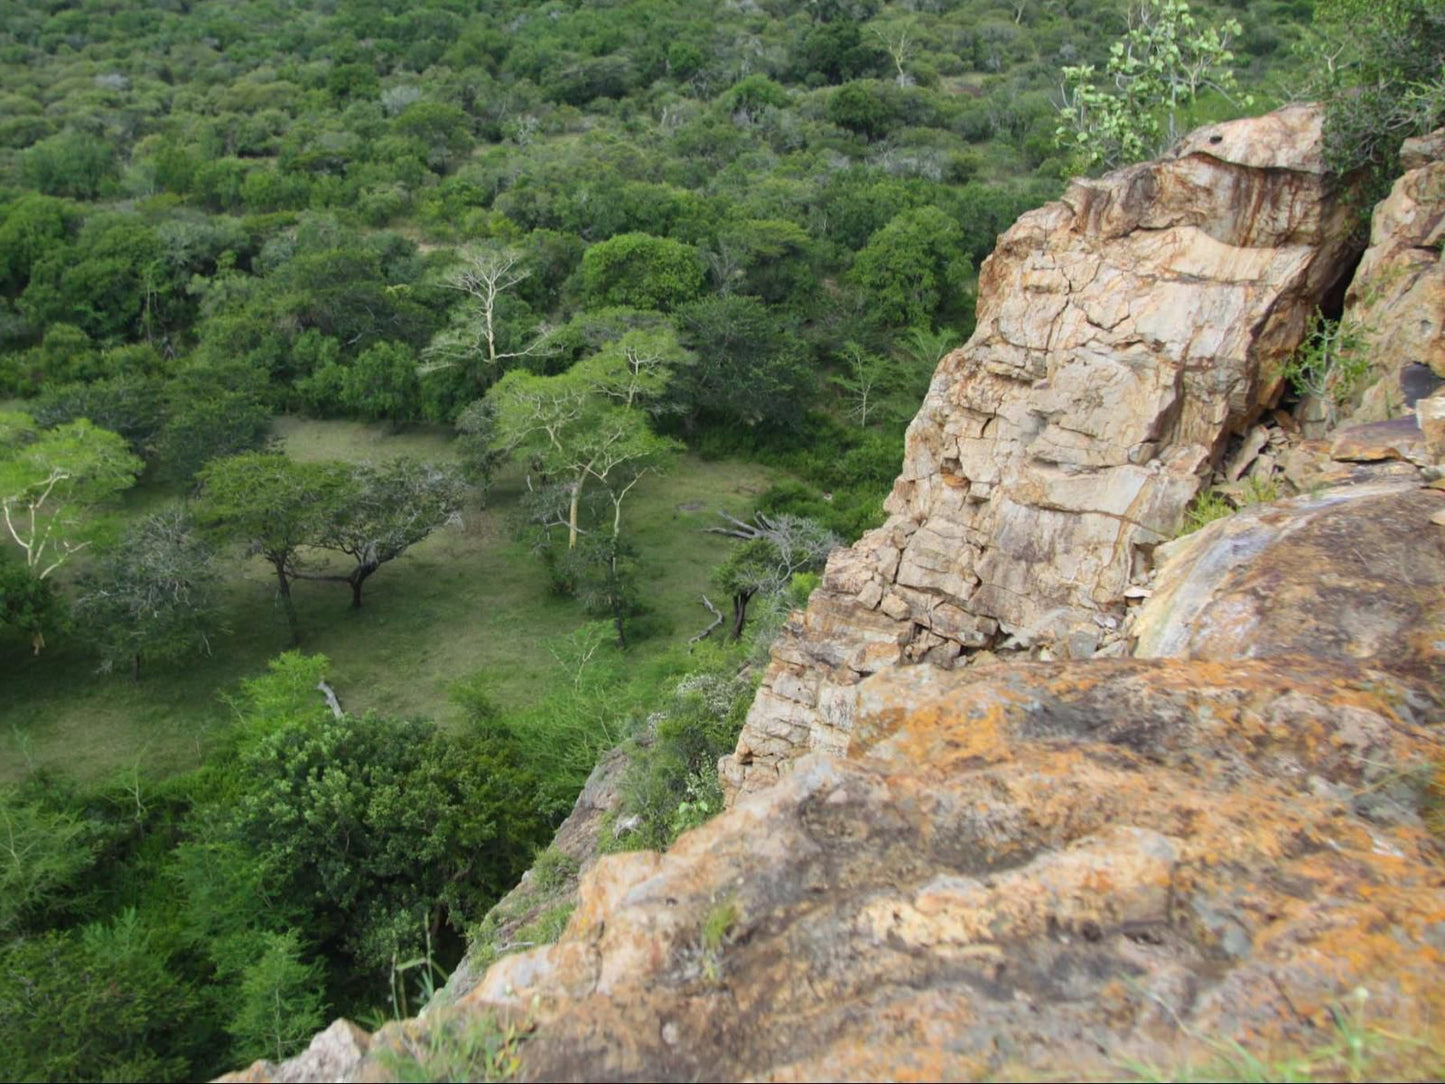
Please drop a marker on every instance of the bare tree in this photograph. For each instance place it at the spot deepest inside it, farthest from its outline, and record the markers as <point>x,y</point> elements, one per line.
<point>900,42</point>
<point>484,275</point>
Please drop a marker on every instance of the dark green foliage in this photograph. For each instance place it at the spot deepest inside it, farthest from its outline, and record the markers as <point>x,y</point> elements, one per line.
<point>202,428</point>
<point>601,573</point>
<point>913,269</point>
<point>49,848</point>
<point>642,271</point>
<point>1385,84</point>
<point>31,226</point>
<point>381,829</point>
<point>71,163</point>
<point>869,108</point>
<point>97,1003</point>
<point>30,608</point>
<point>476,447</point>
<point>750,369</point>
<point>129,404</point>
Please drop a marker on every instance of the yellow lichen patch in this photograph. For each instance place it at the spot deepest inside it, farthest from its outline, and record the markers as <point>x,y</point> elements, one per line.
<point>933,738</point>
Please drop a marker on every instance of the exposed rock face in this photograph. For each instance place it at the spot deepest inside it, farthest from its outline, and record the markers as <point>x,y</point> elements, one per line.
<point>1047,869</point>
<point>1397,297</point>
<point>1123,334</point>
<point>1049,866</point>
<point>1034,869</point>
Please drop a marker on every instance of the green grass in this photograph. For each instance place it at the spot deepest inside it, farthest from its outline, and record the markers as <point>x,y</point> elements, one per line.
<point>469,599</point>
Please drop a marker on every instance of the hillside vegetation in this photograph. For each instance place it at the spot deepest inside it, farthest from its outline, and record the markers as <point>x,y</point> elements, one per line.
<point>424,339</point>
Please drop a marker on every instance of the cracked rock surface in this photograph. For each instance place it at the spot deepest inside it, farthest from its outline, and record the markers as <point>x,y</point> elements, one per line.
<point>1124,334</point>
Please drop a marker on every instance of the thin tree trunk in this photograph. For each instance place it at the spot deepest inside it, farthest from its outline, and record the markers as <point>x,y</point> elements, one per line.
<point>572,515</point>
<point>283,582</point>
<point>740,612</point>
<point>357,579</point>
<point>135,667</point>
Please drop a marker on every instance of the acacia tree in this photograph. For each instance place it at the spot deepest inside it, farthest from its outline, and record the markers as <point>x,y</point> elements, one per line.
<point>385,511</point>
<point>485,276</point>
<point>590,424</point>
<point>50,479</point>
<point>774,549</point>
<point>152,596</point>
<point>275,507</point>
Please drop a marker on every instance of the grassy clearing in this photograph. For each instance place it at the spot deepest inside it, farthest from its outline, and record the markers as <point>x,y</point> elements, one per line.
<point>469,599</point>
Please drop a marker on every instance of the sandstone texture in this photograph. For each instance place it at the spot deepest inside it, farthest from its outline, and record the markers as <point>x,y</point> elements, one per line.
<point>1124,334</point>
<point>1397,297</point>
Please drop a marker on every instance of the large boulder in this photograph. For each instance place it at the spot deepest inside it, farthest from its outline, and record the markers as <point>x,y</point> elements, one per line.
<point>1356,571</point>
<point>1124,334</point>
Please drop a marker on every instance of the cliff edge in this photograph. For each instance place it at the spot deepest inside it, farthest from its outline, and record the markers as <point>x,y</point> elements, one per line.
<point>1034,787</point>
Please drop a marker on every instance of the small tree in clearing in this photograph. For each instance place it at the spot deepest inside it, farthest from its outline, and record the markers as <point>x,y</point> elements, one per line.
<point>383,513</point>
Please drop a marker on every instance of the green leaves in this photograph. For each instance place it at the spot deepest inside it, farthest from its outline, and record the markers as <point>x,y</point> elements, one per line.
<point>1157,70</point>
<point>274,503</point>
<point>913,267</point>
<point>642,271</point>
<point>379,826</point>
<point>50,479</point>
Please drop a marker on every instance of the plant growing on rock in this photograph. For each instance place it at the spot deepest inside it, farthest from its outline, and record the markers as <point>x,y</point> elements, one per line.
<point>1331,364</point>
<point>1153,77</point>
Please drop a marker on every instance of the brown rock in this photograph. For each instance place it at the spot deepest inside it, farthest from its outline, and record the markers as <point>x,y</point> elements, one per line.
<point>1397,297</point>
<point>1395,438</point>
<point>1123,334</point>
<point>1353,573</point>
<point>1028,870</point>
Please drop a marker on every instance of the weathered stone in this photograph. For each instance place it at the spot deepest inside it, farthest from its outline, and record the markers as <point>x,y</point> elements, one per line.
<point>1395,438</point>
<point>1430,415</point>
<point>336,1054</point>
<point>1397,297</point>
<point>1355,572</point>
<point>1023,871</point>
<point>1124,334</point>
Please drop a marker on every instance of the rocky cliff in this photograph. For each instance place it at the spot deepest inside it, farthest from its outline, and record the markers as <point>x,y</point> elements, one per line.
<point>1033,787</point>
<point>1124,334</point>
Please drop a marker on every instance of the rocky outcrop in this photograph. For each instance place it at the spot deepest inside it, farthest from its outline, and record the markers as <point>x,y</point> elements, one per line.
<point>1053,867</point>
<point>1356,572</point>
<point>1046,867</point>
<point>1396,301</point>
<point>1023,869</point>
<point>1124,333</point>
